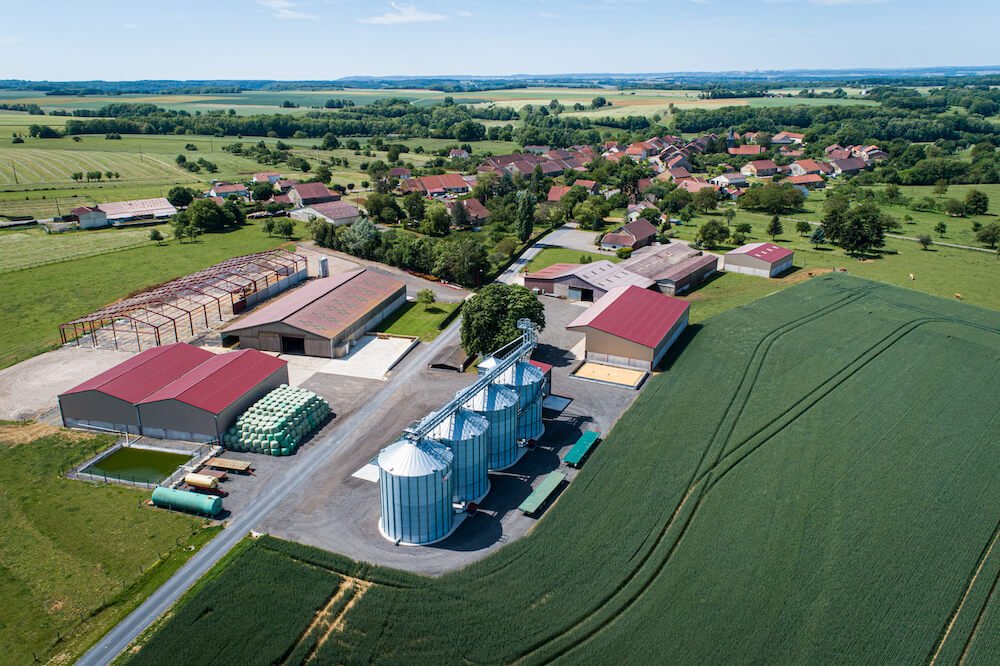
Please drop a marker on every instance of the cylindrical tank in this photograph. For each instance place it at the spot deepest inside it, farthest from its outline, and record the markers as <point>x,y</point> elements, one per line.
<point>527,381</point>
<point>417,488</point>
<point>171,498</point>
<point>464,432</point>
<point>201,481</point>
<point>499,405</point>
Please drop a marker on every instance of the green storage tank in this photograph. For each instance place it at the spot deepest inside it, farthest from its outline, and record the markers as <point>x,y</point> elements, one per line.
<point>184,500</point>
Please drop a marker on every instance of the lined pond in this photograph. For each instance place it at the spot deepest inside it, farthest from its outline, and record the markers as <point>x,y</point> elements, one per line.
<point>137,465</point>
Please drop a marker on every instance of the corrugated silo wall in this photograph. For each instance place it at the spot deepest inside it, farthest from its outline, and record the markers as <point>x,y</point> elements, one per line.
<point>468,444</point>
<point>416,509</point>
<point>501,438</point>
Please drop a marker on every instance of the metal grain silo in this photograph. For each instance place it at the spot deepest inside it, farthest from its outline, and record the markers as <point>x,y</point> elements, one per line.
<point>499,405</point>
<point>417,488</point>
<point>465,433</point>
<point>527,381</point>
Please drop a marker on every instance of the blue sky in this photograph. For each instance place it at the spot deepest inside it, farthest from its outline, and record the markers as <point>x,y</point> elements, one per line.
<point>327,39</point>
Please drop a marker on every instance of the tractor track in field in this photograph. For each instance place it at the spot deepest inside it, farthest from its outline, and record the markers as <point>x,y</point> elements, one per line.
<point>979,619</point>
<point>706,480</point>
<point>696,487</point>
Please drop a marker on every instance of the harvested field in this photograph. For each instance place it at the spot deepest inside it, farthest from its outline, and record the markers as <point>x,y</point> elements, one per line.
<point>812,479</point>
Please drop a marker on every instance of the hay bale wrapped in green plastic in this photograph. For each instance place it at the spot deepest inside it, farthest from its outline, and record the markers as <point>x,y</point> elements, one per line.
<point>277,423</point>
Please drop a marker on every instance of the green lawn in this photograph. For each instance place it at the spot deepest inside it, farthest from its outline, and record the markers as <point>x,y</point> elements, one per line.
<point>23,248</point>
<point>39,299</point>
<point>415,319</point>
<point>817,476</point>
<point>561,255</point>
<point>939,271</point>
<point>75,558</point>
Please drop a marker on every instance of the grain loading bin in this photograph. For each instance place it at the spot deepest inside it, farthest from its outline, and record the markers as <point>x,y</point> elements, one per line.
<point>465,433</point>
<point>416,488</point>
<point>499,405</point>
<point>528,382</point>
<point>184,500</point>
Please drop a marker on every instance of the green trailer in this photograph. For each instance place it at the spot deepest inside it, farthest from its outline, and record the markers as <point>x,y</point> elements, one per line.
<point>579,451</point>
<point>542,492</point>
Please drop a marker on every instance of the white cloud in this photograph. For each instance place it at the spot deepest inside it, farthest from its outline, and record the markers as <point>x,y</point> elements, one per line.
<point>463,13</point>
<point>284,9</point>
<point>403,14</point>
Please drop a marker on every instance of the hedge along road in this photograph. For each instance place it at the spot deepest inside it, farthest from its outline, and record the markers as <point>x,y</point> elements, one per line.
<point>307,462</point>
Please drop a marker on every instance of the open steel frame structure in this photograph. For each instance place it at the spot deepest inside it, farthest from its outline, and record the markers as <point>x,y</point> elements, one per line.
<point>183,308</point>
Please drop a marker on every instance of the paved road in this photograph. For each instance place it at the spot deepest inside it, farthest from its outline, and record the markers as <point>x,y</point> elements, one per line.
<point>307,462</point>
<point>304,467</point>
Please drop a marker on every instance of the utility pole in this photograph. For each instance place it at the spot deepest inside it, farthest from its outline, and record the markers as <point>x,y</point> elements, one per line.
<point>14,168</point>
<point>140,153</point>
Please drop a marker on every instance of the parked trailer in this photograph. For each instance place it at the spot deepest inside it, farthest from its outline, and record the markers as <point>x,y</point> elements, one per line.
<point>183,500</point>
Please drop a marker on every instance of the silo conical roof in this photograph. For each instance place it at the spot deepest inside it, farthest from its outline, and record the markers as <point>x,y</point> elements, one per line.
<point>460,425</point>
<point>492,398</point>
<point>409,458</point>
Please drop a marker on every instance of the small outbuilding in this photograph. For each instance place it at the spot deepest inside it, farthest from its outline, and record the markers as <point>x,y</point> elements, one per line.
<point>633,235</point>
<point>631,327</point>
<point>761,259</point>
<point>90,217</point>
<point>322,318</point>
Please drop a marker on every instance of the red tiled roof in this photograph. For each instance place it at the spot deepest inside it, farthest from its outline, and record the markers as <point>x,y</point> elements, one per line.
<point>639,315</point>
<point>806,179</point>
<point>218,382</point>
<point>313,191</point>
<point>813,165</point>
<point>83,210</point>
<point>763,164</point>
<point>476,209</point>
<point>146,372</point>
<point>746,150</point>
<point>228,188</point>
<point>336,210</point>
<point>589,184</point>
<point>768,252</point>
<point>281,199</point>
<point>557,192</point>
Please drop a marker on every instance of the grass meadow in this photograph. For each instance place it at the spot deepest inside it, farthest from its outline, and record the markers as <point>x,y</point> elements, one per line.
<point>828,497</point>
<point>76,558</point>
<point>415,319</point>
<point>562,255</point>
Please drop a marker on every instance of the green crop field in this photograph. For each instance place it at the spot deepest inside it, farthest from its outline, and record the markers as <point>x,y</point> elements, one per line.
<point>39,299</point>
<point>415,319</point>
<point>812,479</point>
<point>75,558</point>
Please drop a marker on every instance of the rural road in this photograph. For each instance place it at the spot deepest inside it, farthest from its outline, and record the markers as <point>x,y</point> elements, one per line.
<point>307,462</point>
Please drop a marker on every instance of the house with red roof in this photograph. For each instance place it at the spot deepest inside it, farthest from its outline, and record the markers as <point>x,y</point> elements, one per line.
<point>760,259</point>
<point>90,217</point>
<point>306,194</point>
<point>808,180</point>
<point>760,168</point>
<point>590,185</point>
<point>226,190</point>
<point>693,185</point>
<point>557,192</point>
<point>748,149</point>
<point>787,138</point>
<point>436,186</point>
<point>476,212</point>
<point>633,235</point>
<point>631,327</point>
<point>802,167</point>
<point>458,153</point>
<point>271,177</point>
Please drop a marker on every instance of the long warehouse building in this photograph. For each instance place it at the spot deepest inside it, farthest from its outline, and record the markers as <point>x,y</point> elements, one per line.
<point>176,391</point>
<point>322,318</point>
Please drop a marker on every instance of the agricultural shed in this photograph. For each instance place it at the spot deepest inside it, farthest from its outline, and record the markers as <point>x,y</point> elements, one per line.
<point>90,217</point>
<point>333,212</point>
<point>584,282</point>
<point>323,317</point>
<point>631,327</point>
<point>675,267</point>
<point>203,402</point>
<point>137,209</point>
<point>189,305</point>
<point>108,401</point>
<point>761,259</point>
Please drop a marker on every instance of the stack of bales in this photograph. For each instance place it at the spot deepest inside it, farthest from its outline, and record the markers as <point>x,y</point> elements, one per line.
<point>498,404</point>
<point>528,382</point>
<point>278,422</point>
<point>417,487</point>
<point>464,432</point>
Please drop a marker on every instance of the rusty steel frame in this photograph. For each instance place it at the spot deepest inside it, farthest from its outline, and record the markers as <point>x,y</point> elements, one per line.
<point>236,278</point>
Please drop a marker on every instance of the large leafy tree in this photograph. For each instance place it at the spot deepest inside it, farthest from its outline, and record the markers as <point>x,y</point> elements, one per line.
<point>489,319</point>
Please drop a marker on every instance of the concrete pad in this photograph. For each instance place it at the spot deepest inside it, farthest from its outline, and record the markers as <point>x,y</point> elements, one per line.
<point>610,374</point>
<point>372,358</point>
<point>367,473</point>
<point>31,388</point>
<point>301,368</point>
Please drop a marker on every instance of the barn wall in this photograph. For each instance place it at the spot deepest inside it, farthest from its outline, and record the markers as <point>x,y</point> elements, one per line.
<point>229,415</point>
<point>670,339</point>
<point>100,411</point>
<point>173,419</point>
<point>606,348</point>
